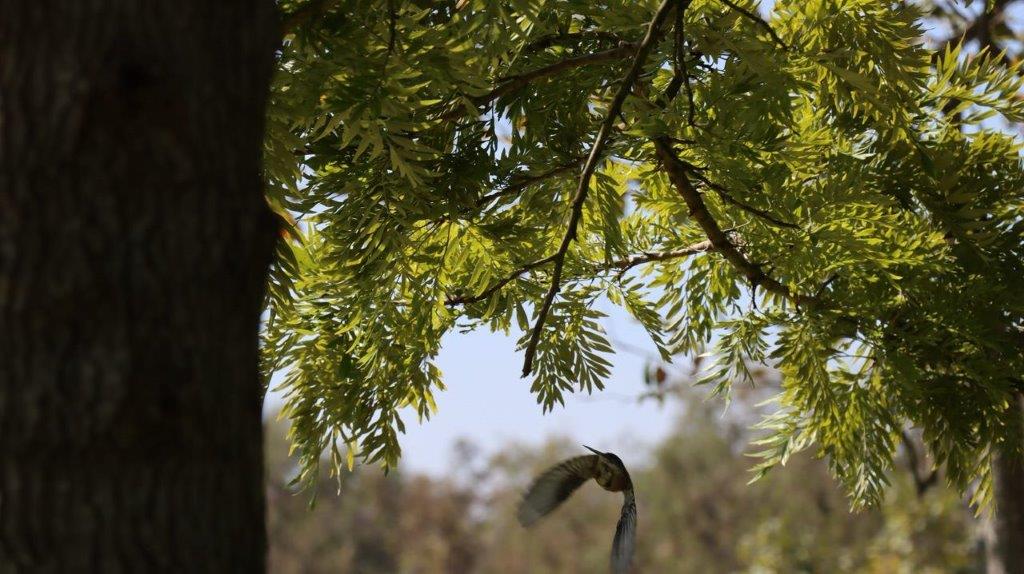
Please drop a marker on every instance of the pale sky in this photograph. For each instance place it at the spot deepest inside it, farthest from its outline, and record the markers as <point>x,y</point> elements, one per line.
<point>487,403</point>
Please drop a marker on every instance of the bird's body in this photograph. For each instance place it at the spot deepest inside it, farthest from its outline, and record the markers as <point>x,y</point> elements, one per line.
<point>557,483</point>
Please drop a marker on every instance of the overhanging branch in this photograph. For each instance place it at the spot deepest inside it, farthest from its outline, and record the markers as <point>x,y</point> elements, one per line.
<point>627,263</point>
<point>922,482</point>
<point>517,82</point>
<point>519,184</point>
<point>620,265</point>
<point>757,20</point>
<point>603,135</point>
<point>677,173</point>
<point>497,286</point>
<point>551,39</point>
<point>727,196</point>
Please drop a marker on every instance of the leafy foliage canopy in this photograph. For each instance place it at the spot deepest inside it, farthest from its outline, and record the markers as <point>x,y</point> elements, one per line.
<point>815,190</point>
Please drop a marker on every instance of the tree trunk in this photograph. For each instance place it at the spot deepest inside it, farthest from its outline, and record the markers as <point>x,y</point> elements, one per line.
<point>133,247</point>
<point>1005,549</point>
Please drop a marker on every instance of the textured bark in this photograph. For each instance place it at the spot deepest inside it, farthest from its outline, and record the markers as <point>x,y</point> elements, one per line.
<point>1005,548</point>
<point>133,247</point>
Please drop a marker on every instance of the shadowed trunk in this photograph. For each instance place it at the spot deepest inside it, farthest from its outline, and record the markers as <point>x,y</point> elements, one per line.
<point>133,247</point>
<point>1005,550</point>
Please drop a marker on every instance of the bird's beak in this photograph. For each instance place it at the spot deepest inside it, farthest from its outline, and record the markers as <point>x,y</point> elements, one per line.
<point>597,452</point>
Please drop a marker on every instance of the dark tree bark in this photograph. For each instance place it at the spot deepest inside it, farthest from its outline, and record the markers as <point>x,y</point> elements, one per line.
<point>1005,548</point>
<point>134,242</point>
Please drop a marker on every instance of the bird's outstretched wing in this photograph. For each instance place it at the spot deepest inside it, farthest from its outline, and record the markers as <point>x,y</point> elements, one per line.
<point>625,537</point>
<point>554,486</point>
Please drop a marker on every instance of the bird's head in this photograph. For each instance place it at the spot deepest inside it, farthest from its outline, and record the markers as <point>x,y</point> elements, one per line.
<point>610,457</point>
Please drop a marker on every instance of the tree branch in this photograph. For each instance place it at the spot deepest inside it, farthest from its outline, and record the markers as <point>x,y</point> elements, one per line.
<point>519,81</point>
<point>981,30</point>
<point>622,265</point>
<point>588,170</point>
<point>520,184</point>
<point>921,482</point>
<point>691,110</point>
<point>549,40</point>
<point>756,20</point>
<point>627,263</point>
<point>486,293</point>
<point>677,173</point>
<point>728,197</point>
<point>679,74</point>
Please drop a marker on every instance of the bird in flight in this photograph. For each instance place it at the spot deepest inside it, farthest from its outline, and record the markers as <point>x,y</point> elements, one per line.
<point>557,483</point>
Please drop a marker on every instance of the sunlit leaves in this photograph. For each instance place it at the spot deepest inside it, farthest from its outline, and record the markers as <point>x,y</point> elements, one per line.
<point>573,354</point>
<point>432,169</point>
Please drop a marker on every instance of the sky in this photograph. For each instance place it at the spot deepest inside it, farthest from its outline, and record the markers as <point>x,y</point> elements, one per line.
<point>487,403</point>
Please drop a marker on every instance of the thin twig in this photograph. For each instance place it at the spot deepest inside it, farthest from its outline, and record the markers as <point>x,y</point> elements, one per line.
<point>519,81</point>
<point>681,75</point>
<point>691,110</point>
<point>922,483</point>
<point>757,20</point>
<point>517,185</point>
<point>588,170</point>
<point>512,83</point>
<point>549,40</point>
<point>392,23</point>
<point>627,263</point>
<point>677,173</point>
<point>729,198</point>
<point>678,55</point>
<point>823,286</point>
<point>486,293</point>
<point>621,265</point>
<point>522,183</point>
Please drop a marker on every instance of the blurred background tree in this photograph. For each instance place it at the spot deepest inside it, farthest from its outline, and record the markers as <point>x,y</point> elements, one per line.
<point>698,514</point>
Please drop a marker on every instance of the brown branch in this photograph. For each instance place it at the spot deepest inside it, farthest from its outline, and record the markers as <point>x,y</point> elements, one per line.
<point>678,55</point>
<point>512,83</point>
<point>603,135</point>
<point>627,263</point>
<point>486,293</point>
<point>821,288</point>
<point>622,265</point>
<point>728,197</point>
<point>980,29</point>
<point>519,81</point>
<point>677,173</point>
<point>515,186</point>
<point>691,110</point>
<point>303,14</point>
<point>680,75</point>
<point>522,183</point>
<point>756,20</point>
<point>921,482</point>
<point>516,273</point>
<point>549,40</point>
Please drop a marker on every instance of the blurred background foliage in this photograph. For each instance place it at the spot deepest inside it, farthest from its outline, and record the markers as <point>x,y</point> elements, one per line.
<point>697,512</point>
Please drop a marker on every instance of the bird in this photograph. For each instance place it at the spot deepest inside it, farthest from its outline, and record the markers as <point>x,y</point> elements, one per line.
<point>557,483</point>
